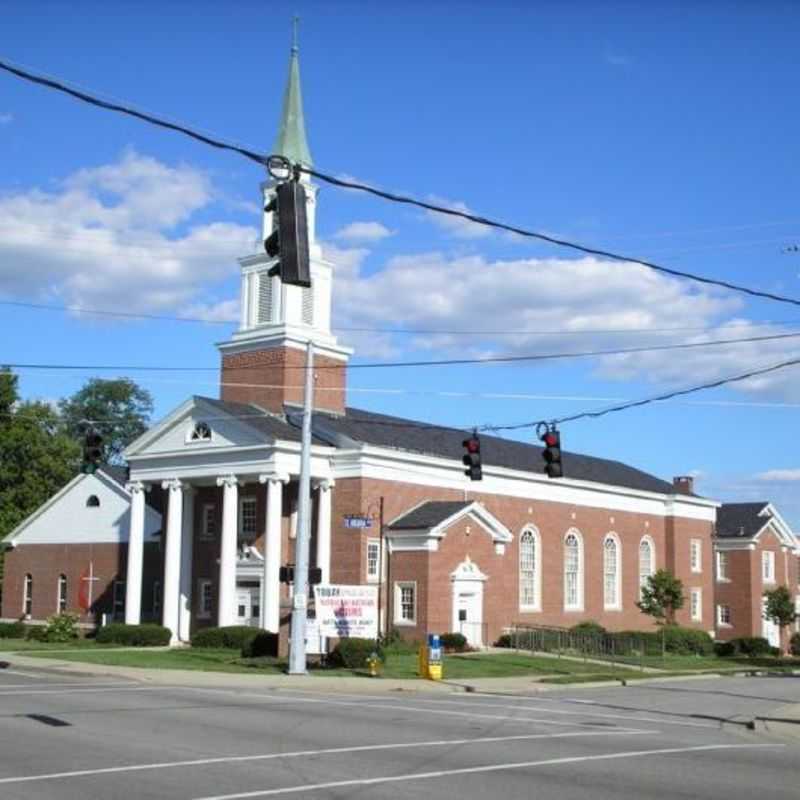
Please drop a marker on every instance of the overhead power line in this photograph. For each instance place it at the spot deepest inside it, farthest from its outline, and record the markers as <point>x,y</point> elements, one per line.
<point>261,159</point>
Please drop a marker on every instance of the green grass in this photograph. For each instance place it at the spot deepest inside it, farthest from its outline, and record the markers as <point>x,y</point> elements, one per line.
<point>19,645</point>
<point>693,663</point>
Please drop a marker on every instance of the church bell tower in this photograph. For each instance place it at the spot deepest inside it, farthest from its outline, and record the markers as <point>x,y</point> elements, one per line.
<point>262,362</point>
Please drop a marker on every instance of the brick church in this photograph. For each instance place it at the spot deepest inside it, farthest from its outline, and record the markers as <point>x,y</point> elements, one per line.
<point>453,555</point>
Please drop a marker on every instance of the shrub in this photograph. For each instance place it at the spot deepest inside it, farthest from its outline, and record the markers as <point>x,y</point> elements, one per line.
<point>134,635</point>
<point>724,649</point>
<point>687,641</point>
<point>588,626</point>
<point>230,637</point>
<point>751,646</point>
<point>794,644</point>
<point>62,628</point>
<point>505,640</point>
<point>12,630</point>
<point>353,653</point>
<point>36,633</point>
<point>263,643</point>
<point>453,642</point>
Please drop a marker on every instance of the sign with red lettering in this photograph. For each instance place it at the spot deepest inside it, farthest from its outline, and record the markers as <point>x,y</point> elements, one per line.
<point>347,611</point>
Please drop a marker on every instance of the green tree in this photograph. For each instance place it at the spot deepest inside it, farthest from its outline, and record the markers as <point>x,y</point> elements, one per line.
<point>779,608</point>
<point>662,596</point>
<point>123,407</point>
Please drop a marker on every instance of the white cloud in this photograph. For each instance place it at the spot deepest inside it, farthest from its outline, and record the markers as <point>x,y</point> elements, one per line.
<point>781,475</point>
<point>363,232</point>
<point>456,226</point>
<point>6,118</point>
<point>223,311</point>
<point>108,237</point>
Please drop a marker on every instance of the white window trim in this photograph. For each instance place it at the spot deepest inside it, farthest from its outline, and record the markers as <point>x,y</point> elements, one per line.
<point>698,593</point>
<point>27,596</point>
<point>376,576</point>
<point>643,578</point>
<point>201,612</point>
<point>696,546</point>
<point>578,606</point>
<point>768,557</point>
<point>59,610</point>
<point>537,570</point>
<point>720,577</point>
<point>204,533</point>
<point>398,607</point>
<point>720,623</point>
<point>248,499</point>
<point>190,432</point>
<point>617,606</point>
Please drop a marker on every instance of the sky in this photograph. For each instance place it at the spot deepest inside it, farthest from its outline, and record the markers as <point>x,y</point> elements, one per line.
<point>664,131</point>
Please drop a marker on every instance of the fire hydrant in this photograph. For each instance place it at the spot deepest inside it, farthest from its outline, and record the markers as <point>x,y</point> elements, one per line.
<point>373,665</point>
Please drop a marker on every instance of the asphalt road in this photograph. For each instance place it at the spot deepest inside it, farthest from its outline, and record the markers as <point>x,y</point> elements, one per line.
<point>76,738</point>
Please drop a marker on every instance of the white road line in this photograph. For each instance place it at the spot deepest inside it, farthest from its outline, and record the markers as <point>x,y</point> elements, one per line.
<point>419,776</point>
<point>77,685</point>
<point>303,753</point>
<point>84,690</point>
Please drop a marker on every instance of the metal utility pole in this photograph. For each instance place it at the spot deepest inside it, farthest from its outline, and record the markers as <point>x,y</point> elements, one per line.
<point>297,648</point>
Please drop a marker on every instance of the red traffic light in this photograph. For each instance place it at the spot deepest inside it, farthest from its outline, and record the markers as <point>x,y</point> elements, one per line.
<point>473,445</point>
<point>551,439</point>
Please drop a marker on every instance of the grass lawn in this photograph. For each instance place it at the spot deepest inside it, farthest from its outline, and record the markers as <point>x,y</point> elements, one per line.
<point>698,663</point>
<point>398,665</point>
<point>19,645</point>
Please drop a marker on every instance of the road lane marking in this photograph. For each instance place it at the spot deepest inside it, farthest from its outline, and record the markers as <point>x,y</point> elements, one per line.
<point>77,685</point>
<point>310,787</point>
<point>304,753</point>
<point>83,690</point>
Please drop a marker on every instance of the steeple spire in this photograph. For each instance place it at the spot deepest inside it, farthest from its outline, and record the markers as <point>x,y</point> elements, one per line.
<point>291,141</point>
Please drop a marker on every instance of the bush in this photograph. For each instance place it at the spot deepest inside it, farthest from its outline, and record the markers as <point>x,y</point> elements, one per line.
<point>36,633</point>
<point>724,649</point>
<point>453,642</point>
<point>505,640</point>
<point>62,628</point>
<point>687,641</point>
<point>751,646</point>
<point>588,626</point>
<point>263,643</point>
<point>794,644</point>
<point>12,630</point>
<point>353,653</point>
<point>134,635</point>
<point>230,637</point>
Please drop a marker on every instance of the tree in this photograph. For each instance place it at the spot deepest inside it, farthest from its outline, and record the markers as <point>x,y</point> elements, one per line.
<point>123,407</point>
<point>662,596</point>
<point>779,608</point>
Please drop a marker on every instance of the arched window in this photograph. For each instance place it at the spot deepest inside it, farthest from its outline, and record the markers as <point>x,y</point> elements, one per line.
<point>611,572</point>
<point>529,571</point>
<point>201,432</point>
<point>93,501</point>
<point>62,594</point>
<point>27,597</point>
<point>647,561</point>
<point>573,571</point>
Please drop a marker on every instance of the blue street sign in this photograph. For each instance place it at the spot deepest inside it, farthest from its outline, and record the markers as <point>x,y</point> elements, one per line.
<point>353,521</point>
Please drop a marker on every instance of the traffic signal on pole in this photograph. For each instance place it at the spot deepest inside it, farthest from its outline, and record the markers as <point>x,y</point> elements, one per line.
<point>552,453</point>
<point>289,238</point>
<point>472,458</point>
<point>92,451</point>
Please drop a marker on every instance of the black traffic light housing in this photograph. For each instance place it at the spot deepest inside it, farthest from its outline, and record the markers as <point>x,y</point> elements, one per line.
<point>472,458</point>
<point>289,239</point>
<point>551,439</point>
<point>92,451</point>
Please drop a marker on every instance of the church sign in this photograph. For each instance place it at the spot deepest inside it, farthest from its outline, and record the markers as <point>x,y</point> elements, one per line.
<point>347,611</point>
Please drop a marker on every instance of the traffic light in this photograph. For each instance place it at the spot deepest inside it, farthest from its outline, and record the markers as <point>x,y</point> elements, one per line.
<point>92,451</point>
<point>552,453</point>
<point>289,238</point>
<point>472,459</point>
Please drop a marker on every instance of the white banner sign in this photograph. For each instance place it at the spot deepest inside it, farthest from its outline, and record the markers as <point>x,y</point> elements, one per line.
<point>347,611</point>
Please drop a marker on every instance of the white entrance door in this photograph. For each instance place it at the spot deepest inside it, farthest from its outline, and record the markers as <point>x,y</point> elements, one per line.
<point>770,631</point>
<point>468,611</point>
<point>248,606</point>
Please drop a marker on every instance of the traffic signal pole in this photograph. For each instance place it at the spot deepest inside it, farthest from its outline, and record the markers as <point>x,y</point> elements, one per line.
<point>297,651</point>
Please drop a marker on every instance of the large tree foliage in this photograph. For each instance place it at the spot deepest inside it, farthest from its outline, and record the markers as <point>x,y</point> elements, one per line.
<point>37,457</point>
<point>120,407</point>
<point>779,607</point>
<point>662,596</point>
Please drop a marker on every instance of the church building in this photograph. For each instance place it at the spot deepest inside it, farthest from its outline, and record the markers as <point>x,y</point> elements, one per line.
<point>452,554</point>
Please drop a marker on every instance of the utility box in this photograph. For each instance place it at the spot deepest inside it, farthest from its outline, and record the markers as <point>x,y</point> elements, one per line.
<point>430,658</point>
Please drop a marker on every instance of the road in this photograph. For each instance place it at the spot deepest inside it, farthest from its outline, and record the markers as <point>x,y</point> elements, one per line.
<point>80,738</point>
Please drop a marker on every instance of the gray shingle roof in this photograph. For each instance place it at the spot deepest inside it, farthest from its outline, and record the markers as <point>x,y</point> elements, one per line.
<point>366,427</point>
<point>429,515</point>
<point>116,472</point>
<point>740,520</point>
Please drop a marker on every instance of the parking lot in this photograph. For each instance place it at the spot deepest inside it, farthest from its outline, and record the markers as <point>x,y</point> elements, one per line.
<point>73,738</point>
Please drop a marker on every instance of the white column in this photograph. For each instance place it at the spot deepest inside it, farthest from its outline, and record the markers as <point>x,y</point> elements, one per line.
<point>172,555</point>
<point>324,529</point>
<point>226,605</point>
<point>270,580</point>
<point>133,585</point>
<point>187,575</point>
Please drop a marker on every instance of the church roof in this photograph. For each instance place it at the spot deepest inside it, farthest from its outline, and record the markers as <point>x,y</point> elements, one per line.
<point>429,515</point>
<point>291,141</point>
<point>402,434</point>
<point>741,520</point>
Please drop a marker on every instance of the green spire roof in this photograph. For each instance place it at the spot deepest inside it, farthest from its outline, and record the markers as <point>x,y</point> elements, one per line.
<point>291,141</point>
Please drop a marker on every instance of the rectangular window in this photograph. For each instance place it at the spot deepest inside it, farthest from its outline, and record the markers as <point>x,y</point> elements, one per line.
<point>723,567</point>
<point>723,615</point>
<point>696,555</point>
<point>373,560</point>
<point>247,517</point>
<point>204,595</point>
<point>62,594</point>
<point>697,605</point>
<point>768,566</point>
<point>405,603</point>
<point>208,529</point>
<point>119,599</point>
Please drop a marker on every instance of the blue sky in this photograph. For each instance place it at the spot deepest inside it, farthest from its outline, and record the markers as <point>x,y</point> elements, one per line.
<point>668,132</point>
